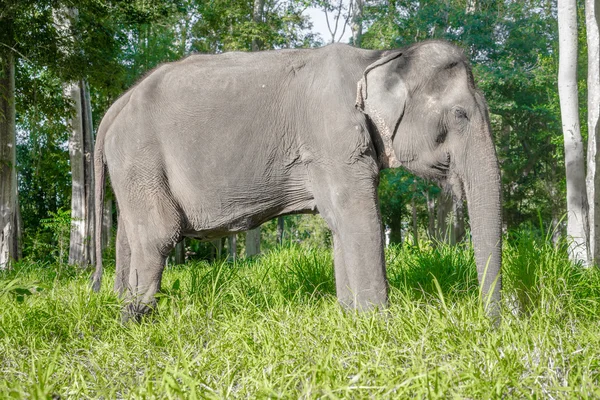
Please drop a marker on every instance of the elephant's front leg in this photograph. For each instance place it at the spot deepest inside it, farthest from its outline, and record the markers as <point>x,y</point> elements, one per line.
<point>351,209</point>
<point>342,287</point>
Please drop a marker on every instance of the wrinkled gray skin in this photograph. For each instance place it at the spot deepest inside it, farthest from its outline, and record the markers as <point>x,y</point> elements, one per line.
<point>215,144</point>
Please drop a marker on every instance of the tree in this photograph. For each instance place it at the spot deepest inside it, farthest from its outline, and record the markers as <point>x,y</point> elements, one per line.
<point>9,204</point>
<point>232,246</point>
<point>179,253</point>
<point>81,248</point>
<point>577,212</point>
<point>340,16</point>
<point>280,229</point>
<point>356,21</point>
<point>592,21</point>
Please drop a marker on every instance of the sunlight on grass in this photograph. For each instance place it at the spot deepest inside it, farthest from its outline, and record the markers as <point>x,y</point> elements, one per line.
<point>271,327</point>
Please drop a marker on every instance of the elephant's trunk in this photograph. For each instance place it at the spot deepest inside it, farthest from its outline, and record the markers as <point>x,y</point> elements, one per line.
<point>482,185</point>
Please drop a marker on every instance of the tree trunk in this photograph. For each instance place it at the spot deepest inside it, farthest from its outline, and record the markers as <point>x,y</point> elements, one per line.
<point>458,221</point>
<point>218,246</point>
<point>280,229</point>
<point>81,249</point>
<point>179,257</point>
<point>431,215</point>
<point>253,242</point>
<point>18,248</point>
<point>444,219</point>
<point>232,245</point>
<point>257,17</point>
<point>415,225</point>
<point>356,23</point>
<point>592,22</point>
<point>396,231</point>
<point>9,204</point>
<point>577,205</point>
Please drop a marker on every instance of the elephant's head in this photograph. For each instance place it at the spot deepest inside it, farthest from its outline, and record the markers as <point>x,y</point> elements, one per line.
<point>432,120</point>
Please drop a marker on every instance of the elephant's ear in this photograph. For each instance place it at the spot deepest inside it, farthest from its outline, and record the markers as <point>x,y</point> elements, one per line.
<point>381,94</point>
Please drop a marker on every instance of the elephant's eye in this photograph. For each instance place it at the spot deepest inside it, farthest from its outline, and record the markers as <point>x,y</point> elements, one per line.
<point>442,133</point>
<point>460,113</point>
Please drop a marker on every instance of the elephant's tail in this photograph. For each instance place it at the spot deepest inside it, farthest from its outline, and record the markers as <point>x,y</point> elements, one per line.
<point>99,171</point>
<point>100,187</point>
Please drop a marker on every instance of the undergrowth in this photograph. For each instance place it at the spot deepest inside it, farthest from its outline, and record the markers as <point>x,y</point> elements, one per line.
<point>272,328</point>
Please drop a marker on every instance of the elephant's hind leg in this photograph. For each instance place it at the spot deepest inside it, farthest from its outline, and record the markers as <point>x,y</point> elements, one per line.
<point>148,255</point>
<point>152,227</point>
<point>123,259</point>
<point>145,275</point>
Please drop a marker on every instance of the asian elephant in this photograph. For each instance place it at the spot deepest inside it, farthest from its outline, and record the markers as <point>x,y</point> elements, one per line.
<point>215,144</point>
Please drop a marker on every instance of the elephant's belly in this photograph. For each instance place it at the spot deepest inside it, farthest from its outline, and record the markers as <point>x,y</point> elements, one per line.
<point>230,208</point>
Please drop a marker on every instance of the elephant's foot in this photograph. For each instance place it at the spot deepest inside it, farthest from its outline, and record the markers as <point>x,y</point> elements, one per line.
<point>373,302</point>
<point>133,312</point>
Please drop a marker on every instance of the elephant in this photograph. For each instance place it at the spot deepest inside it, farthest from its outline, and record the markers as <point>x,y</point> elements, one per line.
<point>217,144</point>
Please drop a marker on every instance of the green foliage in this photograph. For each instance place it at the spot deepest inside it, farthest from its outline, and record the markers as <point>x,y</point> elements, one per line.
<point>42,153</point>
<point>113,43</point>
<point>19,290</point>
<point>51,243</point>
<point>396,190</point>
<point>512,46</point>
<point>226,26</point>
<point>271,327</point>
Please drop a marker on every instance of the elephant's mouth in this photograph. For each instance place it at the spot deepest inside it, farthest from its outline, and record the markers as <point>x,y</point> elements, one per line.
<point>433,167</point>
<point>441,168</point>
<point>445,175</point>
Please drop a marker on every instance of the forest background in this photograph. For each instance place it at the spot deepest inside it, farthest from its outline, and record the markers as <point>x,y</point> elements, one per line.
<point>71,60</point>
<point>231,326</point>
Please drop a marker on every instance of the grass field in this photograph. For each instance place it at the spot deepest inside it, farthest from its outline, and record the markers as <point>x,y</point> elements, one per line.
<point>271,328</point>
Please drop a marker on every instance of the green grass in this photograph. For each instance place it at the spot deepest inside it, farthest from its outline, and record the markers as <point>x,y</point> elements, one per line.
<point>271,328</point>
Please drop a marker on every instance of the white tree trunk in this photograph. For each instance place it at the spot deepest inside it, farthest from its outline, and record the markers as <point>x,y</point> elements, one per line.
<point>458,225</point>
<point>253,242</point>
<point>232,246</point>
<point>592,21</point>
<point>257,17</point>
<point>179,256</point>
<point>577,206</point>
<point>81,248</point>
<point>356,22</point>
<point>444,217</point>
<point>431,215</point>
<point>9,204</point>
<point>218,245</point>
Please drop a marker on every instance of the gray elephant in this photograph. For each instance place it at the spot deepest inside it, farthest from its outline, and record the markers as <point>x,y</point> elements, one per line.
<point>215,144</point>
